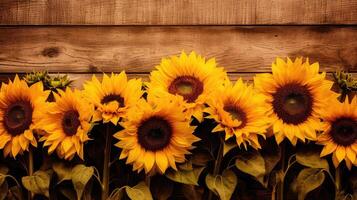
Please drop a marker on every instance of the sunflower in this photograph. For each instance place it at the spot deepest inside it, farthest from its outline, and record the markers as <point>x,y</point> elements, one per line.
<point>20,111</point>
<point>296,95</point>
<point>113,96</point>
<point>188,76</point>
<point>67,123</point>
<point>340,132</point>
<point>240,112</point>
<point>156,135</point>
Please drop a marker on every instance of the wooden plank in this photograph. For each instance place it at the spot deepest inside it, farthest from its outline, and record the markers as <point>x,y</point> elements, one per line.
<point>79,79</point>
<point>177,12</point>
<point>138,49</point>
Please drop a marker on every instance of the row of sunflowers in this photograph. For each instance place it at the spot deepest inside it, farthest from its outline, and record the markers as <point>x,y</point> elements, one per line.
<point>187,133</point>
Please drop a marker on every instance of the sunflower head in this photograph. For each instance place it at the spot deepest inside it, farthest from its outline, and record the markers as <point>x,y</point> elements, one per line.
<point>188,76</point>
<point>339,135</point>
<point>156,135</point>
<point>113,96</point>
<point>20,112</point>
<point>240,112</point>
<point>296,94</point>
<point>67,123</point>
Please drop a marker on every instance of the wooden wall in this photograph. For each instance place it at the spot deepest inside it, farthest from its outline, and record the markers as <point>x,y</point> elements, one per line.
<point>81,37</point>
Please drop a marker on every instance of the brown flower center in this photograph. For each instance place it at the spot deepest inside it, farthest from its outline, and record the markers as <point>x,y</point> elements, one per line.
<point>154,133</point>
<point>18,117</point>
<point>293,103</point>
<point>236,113</point>
<point>70,122</point>
<point>344,131</point>
<point>188,87</point>
<point>113,97</point>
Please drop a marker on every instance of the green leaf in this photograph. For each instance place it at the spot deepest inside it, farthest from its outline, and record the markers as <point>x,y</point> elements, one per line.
<point>186,166</point>
<point>222,185</point>
<point>271,156</point>
<point>139,192</point>
<point>14,193</point>
<point>69,193</point>
<point>311,158</point>
<point>3,190</point>
<point>184,176</point>
<point>161,187</point>
<point>228,146</point>
<point>201,157</point>
<point>38,183</point>
<point>3,172</point>
<point>308,180</point>
<point>253,164</point>
<point>63,171</point>
<point>117,194</point>
<point>192,191</point>
<point>80,177</point>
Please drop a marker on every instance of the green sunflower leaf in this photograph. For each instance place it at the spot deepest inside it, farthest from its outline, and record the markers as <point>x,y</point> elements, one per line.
<point>228,146</point>
<point>192,191</point>
<point>139,192</point>
<point>308,180</point>
<point>161,187</point>
<point>252,163</point>
<point>63,171</point>
<point>3,172</point>
<point>80,177</point>
<point>38,183</point>
<point>185,176</point>
<point>4,187</point>
<point>311,158</point>
<point>201,157</point>
<point>222,185</point>
<point>14,193</point>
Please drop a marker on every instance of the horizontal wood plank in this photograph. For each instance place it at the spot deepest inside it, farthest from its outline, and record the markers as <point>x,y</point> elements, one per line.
<point>80,79</point>
<point>177,12</point>
<point>82,49</point>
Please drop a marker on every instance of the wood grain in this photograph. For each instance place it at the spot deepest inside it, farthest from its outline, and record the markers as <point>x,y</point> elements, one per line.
<point>80,79</point>
<point>177,12</point>
<point>83,49</point>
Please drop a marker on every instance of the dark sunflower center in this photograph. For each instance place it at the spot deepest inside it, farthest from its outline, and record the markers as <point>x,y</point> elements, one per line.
<point>154,133</point>
<point>113,97</point>
<point>236,113</point>
<point>18,117</point>
<point>70,122</point>
<point>293,103</point>
<point>344,131</point>
<point>187,86</point>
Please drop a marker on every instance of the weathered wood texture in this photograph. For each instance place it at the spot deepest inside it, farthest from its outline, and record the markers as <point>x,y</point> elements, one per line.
<point>83,49</point>
<point>177,12</point>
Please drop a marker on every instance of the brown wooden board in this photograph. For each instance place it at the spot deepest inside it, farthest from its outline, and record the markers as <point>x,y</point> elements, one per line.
<point>83,49</point>
<point>177,12</point>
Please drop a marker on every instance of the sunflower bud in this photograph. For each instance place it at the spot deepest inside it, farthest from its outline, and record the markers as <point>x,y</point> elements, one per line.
<point>345,81</point>
<point>35,77</point>
<point>58,82</point>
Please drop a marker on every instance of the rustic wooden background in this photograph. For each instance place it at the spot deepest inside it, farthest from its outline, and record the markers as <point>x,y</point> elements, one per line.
<point>81,37</point>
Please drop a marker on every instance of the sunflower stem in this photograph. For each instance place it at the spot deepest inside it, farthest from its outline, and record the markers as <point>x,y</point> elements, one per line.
<point>106,167</point>
<point>148,180</point>
<point>283,168</point>
<point>30,170</point>
<point>343,96</point>
<point>338,181</point>
<point>217,164</point>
